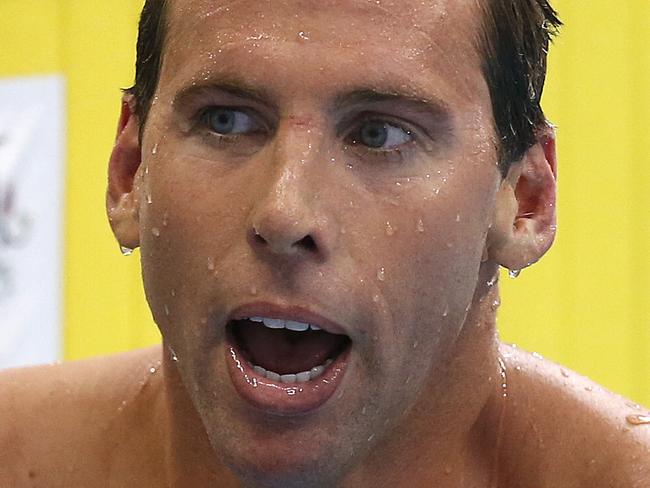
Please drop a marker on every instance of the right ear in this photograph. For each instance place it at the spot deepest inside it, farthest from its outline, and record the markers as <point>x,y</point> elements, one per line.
<point>122,196</point>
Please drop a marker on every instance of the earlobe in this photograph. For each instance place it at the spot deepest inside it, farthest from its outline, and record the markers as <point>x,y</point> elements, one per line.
<point>122,196</point>
<point>524,220</point>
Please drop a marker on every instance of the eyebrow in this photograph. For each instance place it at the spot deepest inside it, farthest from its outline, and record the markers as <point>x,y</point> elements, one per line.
<point>232,86</point>
<point>239,88</point>
<point>363,95</point>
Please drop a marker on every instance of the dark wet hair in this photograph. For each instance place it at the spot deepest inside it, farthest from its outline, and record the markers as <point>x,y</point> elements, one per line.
<point>513,42</point>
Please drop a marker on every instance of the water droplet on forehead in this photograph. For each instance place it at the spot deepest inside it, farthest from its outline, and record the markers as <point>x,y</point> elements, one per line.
<point>420,226</point>
<point>166,310</point>
<point>303,35</point>
<point>211,264</point>
<point>155,149</point>
<point>149,199</point>
<point>389,229</point>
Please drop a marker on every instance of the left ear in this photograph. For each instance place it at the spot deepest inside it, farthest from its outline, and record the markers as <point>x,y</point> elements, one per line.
<point>524,219</point>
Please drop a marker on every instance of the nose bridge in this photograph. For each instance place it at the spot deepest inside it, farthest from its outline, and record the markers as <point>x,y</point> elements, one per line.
<point>287,217</point>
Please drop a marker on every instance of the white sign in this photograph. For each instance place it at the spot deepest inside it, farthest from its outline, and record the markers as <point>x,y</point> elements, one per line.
<point>32,141</point>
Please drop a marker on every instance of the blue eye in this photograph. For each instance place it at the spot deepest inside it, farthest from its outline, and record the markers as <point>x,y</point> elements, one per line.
<point>227,121</point>
<point>382,135</point>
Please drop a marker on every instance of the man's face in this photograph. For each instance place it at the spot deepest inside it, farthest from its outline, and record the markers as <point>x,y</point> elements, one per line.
<point>334,156</point>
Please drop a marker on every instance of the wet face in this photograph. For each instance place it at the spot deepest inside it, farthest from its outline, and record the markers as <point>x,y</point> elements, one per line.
<point>330,163</point>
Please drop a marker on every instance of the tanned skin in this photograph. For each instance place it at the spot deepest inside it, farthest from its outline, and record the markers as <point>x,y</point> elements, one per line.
<point>399,245</point>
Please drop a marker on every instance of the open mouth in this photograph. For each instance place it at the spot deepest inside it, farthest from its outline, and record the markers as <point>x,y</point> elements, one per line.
<point>285,350</point>
<point>285,366</point>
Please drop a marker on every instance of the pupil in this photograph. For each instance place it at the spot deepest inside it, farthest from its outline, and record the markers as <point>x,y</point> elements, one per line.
<point>374,134</point>
<point>222,121</point>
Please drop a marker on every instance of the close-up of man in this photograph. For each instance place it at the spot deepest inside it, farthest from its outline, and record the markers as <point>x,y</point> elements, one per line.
<point>323,194</point>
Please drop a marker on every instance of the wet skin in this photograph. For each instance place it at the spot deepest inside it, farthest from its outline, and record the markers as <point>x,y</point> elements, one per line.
<point>399,244</point>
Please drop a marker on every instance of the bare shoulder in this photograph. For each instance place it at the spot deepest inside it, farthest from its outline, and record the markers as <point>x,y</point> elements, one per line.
<point>571,431</point>
<point>48,413</point>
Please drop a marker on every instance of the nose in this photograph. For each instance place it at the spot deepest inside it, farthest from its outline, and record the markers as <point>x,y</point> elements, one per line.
<point>288,220</point>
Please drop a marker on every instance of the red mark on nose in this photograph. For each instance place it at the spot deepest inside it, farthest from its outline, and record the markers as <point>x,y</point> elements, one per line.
<point>299,121</point>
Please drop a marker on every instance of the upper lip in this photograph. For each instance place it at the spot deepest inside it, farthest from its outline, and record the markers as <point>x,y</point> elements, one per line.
<point>286,312</point>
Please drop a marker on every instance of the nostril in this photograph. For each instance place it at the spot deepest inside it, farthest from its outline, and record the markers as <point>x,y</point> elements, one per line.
<point>258,237</point>
<point>308,243</point>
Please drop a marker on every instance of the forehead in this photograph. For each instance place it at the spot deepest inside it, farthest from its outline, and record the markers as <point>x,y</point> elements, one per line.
<point>434,38</point>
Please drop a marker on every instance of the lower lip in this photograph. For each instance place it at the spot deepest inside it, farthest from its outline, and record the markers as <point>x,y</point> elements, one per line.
<point>283,398</point>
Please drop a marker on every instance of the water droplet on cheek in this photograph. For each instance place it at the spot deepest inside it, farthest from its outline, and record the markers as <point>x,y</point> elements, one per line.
<point>155,231</point>
<point>154,151</point>
<point>173,355</point>
<point>420,226</point>
<point>375,298</point>
<point>381,274</point>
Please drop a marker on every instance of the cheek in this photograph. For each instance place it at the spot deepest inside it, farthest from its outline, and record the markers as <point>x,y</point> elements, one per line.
<point>187,228</point>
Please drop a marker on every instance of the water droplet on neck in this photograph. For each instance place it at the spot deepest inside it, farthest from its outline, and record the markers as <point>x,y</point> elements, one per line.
<point>420,226</point>
<point>381,274</point>
<point>210,264</point>
<point>638,419</point>
<point>389,229</point>
<point>155,231</point>
<point>126,251</point>
<point>514,273</point>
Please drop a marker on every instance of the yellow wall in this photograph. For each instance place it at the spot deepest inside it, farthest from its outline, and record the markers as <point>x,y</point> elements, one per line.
<point>587,304</point>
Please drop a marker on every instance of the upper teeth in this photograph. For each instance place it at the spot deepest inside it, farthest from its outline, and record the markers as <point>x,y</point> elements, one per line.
<point>284,324</point>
